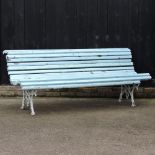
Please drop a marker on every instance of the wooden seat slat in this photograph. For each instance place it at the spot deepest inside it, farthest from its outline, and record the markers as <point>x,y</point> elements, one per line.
<point>84,80</point>
<point>99,84</point>
<point>70,76</point>
<point>76,74</point>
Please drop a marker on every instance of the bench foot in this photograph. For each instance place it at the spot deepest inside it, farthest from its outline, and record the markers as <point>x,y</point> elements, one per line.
<point>32,113</point>
<point>133,105</point>
<point>27,101</point>
<point>128,91</point>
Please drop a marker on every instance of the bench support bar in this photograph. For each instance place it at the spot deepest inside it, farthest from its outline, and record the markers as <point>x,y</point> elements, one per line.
<point>28,100</point>
<point>128,91</point>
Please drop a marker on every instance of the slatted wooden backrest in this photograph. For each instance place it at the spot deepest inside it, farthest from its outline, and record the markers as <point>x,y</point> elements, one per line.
<point>68,60</point>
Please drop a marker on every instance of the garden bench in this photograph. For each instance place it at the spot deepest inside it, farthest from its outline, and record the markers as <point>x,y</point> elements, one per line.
<point>72,68</point>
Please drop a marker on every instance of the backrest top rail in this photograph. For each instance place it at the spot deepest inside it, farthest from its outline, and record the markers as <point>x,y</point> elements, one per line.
<point>68,50</point>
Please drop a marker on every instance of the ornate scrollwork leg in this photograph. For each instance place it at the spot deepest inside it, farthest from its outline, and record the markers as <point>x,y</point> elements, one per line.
<point>28,100</point>
<point>128,90</point>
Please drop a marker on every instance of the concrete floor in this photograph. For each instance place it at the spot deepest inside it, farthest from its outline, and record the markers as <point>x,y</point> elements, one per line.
<point>77,126</point>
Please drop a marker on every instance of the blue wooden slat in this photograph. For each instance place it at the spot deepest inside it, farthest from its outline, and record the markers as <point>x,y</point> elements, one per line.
<point>67,62</point>
<point>14,52</point>
<point>94,79</point>
<point>84,81</point>
<point>70,70</point>
<point>69,66</point>
<point>74,75</point>
<point>68,58</point>
<point>99,54</point>
<point>80,85</point>
<point>78,81</point>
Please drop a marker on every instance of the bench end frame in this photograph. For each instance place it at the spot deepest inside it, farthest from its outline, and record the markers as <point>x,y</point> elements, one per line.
<point>27,101</point>
<point>128,91</point>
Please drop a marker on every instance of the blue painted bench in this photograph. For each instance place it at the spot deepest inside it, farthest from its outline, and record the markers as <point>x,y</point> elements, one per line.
<point>72,68</point>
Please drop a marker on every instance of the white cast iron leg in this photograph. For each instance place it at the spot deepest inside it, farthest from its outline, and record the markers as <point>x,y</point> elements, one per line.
<point>121,94</point>
<point>132,98</point>
<point>31,104</point>
<point>129,92</point>
<point>23,101</point>
<point>132,94</point>
<point>123,91</point>
<point>28,100</point>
